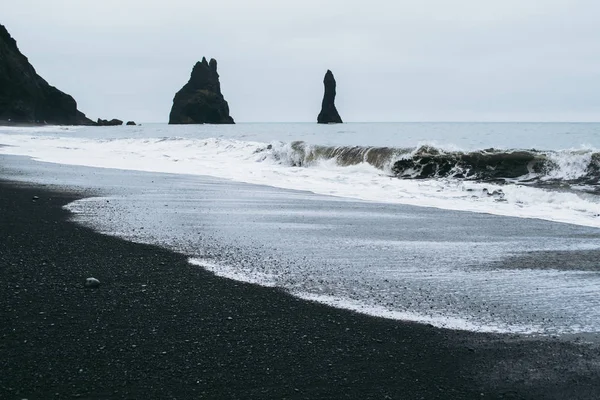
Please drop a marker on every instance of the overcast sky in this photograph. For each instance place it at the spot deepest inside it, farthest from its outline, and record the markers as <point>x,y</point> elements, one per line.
<point>394,60</point>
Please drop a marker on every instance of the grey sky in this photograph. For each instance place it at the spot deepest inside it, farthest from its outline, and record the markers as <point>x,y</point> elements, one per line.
<point>417,60</point>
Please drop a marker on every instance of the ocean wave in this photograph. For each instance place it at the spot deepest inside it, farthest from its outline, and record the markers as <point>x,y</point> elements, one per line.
<point>576,166</point>
<point>573,166</point>
<point>553,185</point>
<point>302,154</point>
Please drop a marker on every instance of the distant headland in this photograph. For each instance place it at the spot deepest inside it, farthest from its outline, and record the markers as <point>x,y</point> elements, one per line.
<point>25,97</point>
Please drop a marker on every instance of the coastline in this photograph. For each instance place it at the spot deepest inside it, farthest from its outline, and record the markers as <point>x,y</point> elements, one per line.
<point>159,327</point>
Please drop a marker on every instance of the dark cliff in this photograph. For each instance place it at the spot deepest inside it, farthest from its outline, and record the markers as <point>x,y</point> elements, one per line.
<point>200,101</point>
<point>25,97</point>
<point>329,114</point>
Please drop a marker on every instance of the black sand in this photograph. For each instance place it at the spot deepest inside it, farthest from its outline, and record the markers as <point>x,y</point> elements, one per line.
<point>160,328</point>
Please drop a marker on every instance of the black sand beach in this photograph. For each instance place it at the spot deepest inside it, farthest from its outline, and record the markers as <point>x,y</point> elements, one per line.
<point>160,328</point>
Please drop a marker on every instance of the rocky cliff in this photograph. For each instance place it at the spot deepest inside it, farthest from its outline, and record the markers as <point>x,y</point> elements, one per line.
<point>200,101</point>
<point>329,114</point>
<point>25,97</point>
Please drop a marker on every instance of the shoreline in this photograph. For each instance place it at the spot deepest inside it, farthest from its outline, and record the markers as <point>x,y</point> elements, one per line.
<point>258,164</point>
<point>160,327</point>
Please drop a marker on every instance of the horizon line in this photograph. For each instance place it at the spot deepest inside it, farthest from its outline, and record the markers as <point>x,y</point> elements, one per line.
<point>394,122</point>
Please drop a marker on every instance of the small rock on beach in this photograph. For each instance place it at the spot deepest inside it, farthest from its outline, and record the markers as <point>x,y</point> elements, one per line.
<point>91,283</point>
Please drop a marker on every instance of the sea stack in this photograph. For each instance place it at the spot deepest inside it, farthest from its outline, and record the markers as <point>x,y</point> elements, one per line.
<point>329,114</point>
<point>200,101</point>
<point>25,97</point>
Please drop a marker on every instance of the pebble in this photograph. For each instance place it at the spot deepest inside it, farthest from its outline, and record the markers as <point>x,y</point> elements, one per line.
<point>91,283</point>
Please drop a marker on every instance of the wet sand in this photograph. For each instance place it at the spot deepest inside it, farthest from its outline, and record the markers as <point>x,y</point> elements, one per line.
<point>159,327</point>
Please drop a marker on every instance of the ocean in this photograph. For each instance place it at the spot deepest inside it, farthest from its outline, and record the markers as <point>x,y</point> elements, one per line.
<point>487,227</point>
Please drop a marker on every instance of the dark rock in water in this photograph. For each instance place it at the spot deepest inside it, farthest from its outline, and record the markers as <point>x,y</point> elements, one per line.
<point>329,114</point>
<point>131,123</point>
<point>25,97</point>
<point>200,101</point>
<point>498,195</point>
<point>112,122</point>
<point>91,283</point>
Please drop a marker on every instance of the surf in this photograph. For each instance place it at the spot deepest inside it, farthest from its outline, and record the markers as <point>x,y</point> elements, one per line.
<point>555,185</point>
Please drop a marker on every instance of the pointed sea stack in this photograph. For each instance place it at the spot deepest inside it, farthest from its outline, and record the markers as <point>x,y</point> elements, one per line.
<point>25,97</point>
<point>329,114</point>
<point>200,101</point>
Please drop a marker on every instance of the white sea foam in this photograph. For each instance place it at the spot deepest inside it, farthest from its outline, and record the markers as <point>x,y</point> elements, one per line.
<point>228,272</point>
<point>541,289</point>
<point>439,321</point>
<point>570,164</point>
<point>255,162</point>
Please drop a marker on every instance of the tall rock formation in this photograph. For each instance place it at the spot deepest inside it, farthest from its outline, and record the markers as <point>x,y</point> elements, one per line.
<point>200,101</point>
<point>25,97</point>
<point>329,114</point>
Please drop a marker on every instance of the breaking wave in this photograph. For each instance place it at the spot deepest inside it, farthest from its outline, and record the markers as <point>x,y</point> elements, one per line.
<point>301,154</point>
<point>563,167</point>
